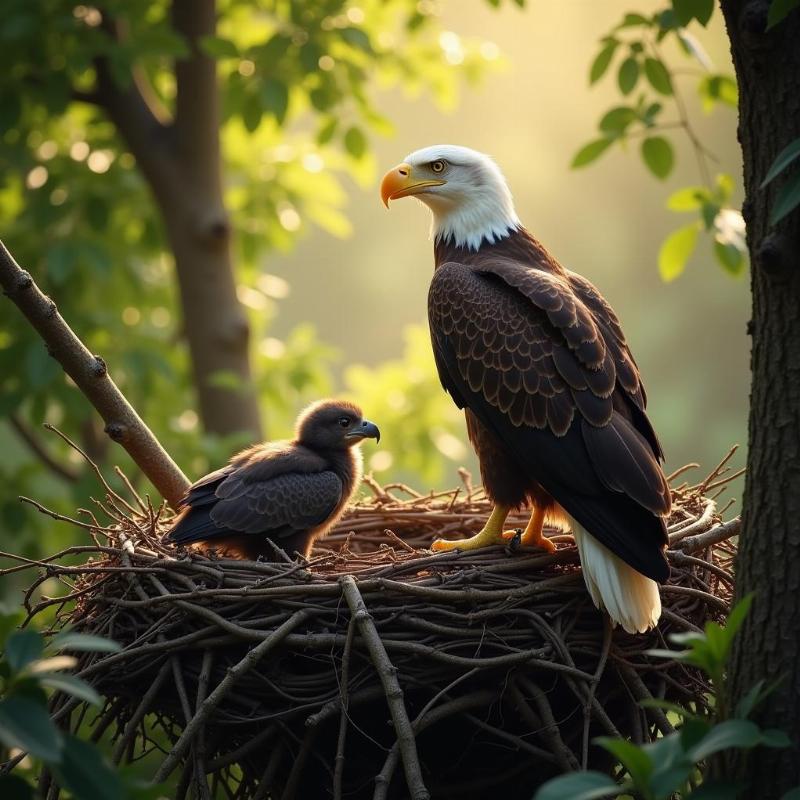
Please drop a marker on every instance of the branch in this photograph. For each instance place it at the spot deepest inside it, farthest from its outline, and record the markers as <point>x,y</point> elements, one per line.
<point>233,674</point>
<point>394,694</point>
<point>91,376</point>
<point>39,450</point>
<point>137,115</point>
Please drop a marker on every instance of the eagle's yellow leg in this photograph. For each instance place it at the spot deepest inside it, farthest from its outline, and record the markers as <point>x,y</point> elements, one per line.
<point>491,533</point>
<point>532,536</point>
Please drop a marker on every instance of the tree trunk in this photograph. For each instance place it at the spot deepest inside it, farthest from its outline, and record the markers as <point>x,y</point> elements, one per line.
<point>180,159</point>
<point>768,71</point>
<point>199,232</point>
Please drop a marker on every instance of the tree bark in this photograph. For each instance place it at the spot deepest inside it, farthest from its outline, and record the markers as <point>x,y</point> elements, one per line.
<point>181,161</point>
<point>90,374</point>
<point>768,71</point>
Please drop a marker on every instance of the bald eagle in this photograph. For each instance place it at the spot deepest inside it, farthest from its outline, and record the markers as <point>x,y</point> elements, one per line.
<point>554,403</point>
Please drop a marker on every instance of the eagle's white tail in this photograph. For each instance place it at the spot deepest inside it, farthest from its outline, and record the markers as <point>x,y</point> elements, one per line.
<point>631,599</point>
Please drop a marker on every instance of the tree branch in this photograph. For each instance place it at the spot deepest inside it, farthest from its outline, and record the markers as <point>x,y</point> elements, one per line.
<point>39,450</point>
<point>90,374</point>
<point>391,687</point>
<point>142,124</point>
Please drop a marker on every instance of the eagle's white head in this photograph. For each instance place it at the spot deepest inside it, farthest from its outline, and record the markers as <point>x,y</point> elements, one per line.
<point>464,189</point>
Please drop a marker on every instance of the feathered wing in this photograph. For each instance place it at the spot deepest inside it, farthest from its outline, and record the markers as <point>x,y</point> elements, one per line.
<point>230,502</point>
<point>550,374</point>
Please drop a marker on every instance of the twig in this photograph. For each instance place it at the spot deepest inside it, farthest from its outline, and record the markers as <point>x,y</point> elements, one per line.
<point>338,771</point>
<point>213,700</point>
<point>394,694</point>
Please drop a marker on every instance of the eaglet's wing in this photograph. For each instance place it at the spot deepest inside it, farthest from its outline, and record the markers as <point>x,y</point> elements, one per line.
<point>549,373</point>
<point>227,502</point>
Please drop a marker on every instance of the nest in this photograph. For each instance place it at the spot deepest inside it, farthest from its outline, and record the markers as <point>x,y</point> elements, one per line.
<point>376,669</point>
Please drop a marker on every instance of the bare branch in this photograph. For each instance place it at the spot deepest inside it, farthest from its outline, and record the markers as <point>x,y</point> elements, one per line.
<point>90,374</point>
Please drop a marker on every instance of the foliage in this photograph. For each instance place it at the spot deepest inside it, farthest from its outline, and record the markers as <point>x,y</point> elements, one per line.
<point>29,667</point>
<point>417,418</point>
<point>669,767</point>
<point>297,86</point>
<point>788,197</point>
<point>636,45</point>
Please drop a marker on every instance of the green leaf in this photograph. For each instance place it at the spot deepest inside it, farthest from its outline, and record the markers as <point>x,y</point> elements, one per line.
<point>27,725</point>
<point>628,75</point>
<point>579,786</point>
<point>730,258</point>
<point>705,8</point>
<point>325,133</point>
<point>23,647</point>
<point>590,152</point>
<point>792,794</point>
<point>355,142</point>
<point>658,75</point>
<point>778,11</point>
<point>775,738</point>
<point>684,11</point>
<point>688,199</point>
<point>84,643</point>
<point>357,38</point>
<point>665,705</point>
<point>601,62</point>
<point>252,111</point>
<point>70,685</point>
<point>782,160</point>
<point>658,156</point>
<point>718,89</point>
<point>787,199</point>
<point>635,759</point>
<point>617,120</point>
<point>674,254</point>
<point>12,787</point>
<point>275,95</point>
<point>733,733</point>
<point>718,790</point>
<point>217,47</point>
<point>687,10</point>
<point>634,21</point>
<point>87,774</point>
<point>737,615</point>
<point>752,697</point>
<point>9,619</point>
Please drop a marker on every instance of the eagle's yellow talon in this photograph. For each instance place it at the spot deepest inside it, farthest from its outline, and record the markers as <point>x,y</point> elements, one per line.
<point>491,533</point>
<point>533,536</point>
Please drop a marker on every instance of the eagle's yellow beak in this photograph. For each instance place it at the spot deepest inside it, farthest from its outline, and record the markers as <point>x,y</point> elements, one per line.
<point>399,182</point>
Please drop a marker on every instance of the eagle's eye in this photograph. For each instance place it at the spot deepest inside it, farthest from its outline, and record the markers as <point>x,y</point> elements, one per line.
<point>345,422</point>
<point>438,165</point>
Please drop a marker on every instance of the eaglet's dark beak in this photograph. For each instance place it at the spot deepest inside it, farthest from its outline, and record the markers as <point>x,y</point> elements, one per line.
<point>367,430</point>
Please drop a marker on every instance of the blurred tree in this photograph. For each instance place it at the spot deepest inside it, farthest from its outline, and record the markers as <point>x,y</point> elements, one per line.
<point>213,129</point>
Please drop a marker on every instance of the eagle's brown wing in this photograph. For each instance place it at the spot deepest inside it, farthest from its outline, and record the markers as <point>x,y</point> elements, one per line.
<point>279,507</point>
<point>555,383</point>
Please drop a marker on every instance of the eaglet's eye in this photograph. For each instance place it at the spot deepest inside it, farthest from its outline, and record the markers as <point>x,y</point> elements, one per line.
<point>438,165</point>
<point>345,422</point>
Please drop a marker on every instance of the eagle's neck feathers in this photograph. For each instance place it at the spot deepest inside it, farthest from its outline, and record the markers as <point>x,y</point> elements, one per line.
<point>483,219</point>
<point>518,245</point>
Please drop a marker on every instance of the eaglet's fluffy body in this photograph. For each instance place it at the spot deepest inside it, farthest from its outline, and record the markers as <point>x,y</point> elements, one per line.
<point>554,403</point>
<point>285,493</point>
